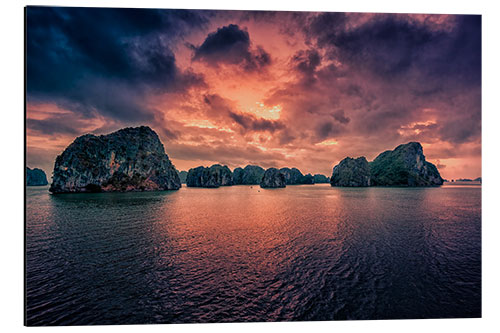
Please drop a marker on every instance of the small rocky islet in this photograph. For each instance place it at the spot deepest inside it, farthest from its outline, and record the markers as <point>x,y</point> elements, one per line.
<point>134,159</point>
<point>183,176</point>
<point>36,177</point>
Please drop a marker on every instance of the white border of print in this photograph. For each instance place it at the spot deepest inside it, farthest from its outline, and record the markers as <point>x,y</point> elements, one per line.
<point>12,141</point>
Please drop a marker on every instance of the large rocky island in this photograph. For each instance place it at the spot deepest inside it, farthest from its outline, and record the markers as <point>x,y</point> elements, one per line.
<point>403,166</point>
<point>131,159</point>
<point>35,177</point>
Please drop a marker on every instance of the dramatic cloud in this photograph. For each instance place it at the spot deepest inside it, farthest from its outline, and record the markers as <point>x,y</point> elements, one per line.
<point>268,88</point>
<point>53,125</point>
<point>105,60</point>
<point>392,45</point>
<point>252,123</point>
<point>231,45</point>
<point>340,117</point>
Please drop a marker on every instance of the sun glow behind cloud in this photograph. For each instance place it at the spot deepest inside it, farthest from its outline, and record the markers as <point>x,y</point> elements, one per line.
<point>327,143</point>
<point>261,110</point>
<point>416,127</point>
<point>202,123</point>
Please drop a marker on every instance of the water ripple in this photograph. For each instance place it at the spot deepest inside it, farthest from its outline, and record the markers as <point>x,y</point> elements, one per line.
<point>236,254</point>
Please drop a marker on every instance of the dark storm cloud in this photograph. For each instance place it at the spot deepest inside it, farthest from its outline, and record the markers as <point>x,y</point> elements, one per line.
<point>251,123</point>
<point>326,130</point>
<point>52,126</point>
<point>461,130</point>
<point>325,27</point>
<point>216,105</point>
<point>390,45</point>
<point>231,45</point>
<point>165,132</point>
<point>340,116</point>
<point>306,63</point>
<point>440,166</point>
<point>233,155</point>
<point>394,66</point>
<point>259,16</point>
<point>285,137</point>
<point>119,100</point>
<point>125,52</point>
<point>354,90</point>
<point>230,42</point>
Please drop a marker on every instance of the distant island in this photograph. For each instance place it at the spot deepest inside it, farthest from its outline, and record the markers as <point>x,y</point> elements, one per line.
<point>183,176</point>
<point>478,179</point>
<point>461,181</point>
<point>218,175</point>
<point>35,177</point>
<point>403,166</point>
<point>134,159</point>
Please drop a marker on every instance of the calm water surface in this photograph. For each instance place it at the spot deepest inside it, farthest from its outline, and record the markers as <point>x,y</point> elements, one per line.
<point>243,253</point>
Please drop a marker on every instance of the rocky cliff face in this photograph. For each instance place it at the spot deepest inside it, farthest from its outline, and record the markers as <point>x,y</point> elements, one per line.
<point>237,176</point>
<point>273,178</point>
<point>215,176</point>
<point>131,159</point>
<point>183,176</point>
<point>293,176</point>
<point>404,166</point>
<point>250,175</point>
<point>351,172</point>
<point>35,177</point>
<point>195,176</point>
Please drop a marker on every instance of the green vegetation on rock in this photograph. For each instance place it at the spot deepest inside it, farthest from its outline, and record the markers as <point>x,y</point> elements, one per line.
<point>403,166</point>
<point>131,159</point>
<point>351,172</point>
<point>250,175</point>
<point>214,176</point>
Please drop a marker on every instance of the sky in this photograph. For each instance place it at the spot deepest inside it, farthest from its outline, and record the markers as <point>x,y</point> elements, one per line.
<point>275,89</point>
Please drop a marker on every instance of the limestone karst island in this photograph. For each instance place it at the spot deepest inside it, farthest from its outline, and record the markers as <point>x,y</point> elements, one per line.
<point>134,159</point>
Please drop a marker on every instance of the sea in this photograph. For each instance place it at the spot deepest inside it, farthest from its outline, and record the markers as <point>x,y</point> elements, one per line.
<point>247,254</point>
